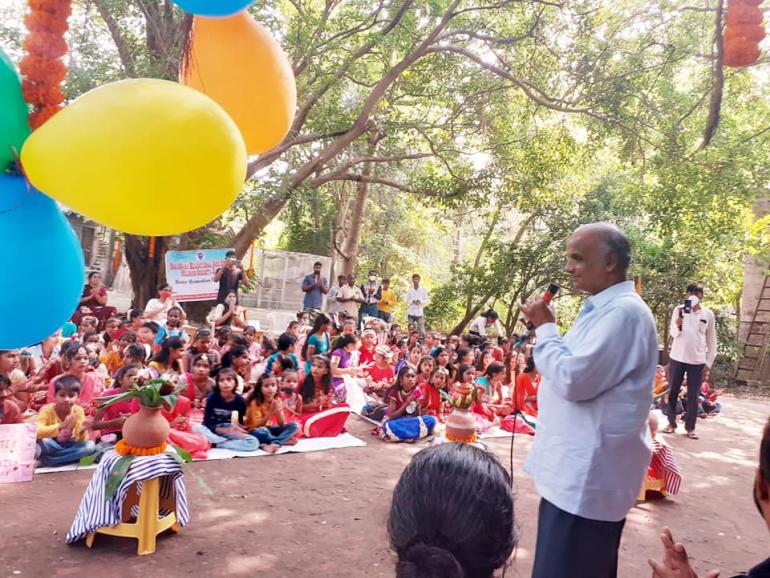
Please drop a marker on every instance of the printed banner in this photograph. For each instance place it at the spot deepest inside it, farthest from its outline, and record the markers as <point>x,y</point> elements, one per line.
<point>191,273</point>
<point>17,452</point>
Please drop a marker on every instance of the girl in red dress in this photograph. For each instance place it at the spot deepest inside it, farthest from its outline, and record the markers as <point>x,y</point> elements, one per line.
<point>425,370</point>
<point>526,389</point>
<point>321,417</point>
<point>432,404</point>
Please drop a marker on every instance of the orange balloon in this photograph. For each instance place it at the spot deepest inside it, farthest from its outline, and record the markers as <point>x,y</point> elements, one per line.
<point>239,65</point>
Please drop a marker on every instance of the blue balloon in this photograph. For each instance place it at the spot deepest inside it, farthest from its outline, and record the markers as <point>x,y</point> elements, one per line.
<point>42,265</point>
<point>214,8</point>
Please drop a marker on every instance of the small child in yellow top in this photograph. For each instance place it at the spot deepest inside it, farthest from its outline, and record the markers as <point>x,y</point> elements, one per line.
<point>265,419</point>
<point>62,439</point>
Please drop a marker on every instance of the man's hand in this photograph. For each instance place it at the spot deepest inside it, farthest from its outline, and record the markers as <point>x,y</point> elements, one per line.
<point>676,563</point>
<point>538,311</point>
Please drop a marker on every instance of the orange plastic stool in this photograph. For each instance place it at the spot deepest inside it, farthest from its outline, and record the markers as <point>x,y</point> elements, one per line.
<point>148,523</point>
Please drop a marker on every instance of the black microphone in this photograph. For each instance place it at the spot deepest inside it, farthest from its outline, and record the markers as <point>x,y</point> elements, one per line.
<point>548,296</point>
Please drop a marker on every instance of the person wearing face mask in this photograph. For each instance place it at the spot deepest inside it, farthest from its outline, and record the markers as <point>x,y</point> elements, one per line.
<point>693,351</point>
<point>157,309</point>
<point>372,292</point>
<point>229,313</point>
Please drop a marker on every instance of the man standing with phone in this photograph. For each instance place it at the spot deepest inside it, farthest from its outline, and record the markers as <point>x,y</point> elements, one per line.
<point>229,277</point>
<point>314,287</point>
<point>693,351</point>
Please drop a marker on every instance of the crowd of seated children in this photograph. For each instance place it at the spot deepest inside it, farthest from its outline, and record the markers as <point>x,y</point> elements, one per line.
<point>277,394</point>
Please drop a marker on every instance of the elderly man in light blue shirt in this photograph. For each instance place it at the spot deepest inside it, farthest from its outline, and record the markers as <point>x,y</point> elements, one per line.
<point>592,447</point>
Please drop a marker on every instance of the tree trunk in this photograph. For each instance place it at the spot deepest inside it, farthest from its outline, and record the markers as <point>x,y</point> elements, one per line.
<point>350,252</point>
<point>252,229</point>
<point>469,315</point>
<point>146,272</point>
<point>479,253</point>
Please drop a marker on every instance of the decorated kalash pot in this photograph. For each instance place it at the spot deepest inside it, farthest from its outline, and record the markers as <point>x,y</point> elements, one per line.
<point>145,433</point>
<point>461,425</point>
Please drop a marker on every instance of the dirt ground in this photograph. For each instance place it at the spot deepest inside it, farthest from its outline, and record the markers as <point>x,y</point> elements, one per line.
<point>323,514</point>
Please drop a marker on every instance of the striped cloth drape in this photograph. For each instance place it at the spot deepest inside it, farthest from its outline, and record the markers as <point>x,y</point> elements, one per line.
<point>665,467</point>
<point>95,511</point>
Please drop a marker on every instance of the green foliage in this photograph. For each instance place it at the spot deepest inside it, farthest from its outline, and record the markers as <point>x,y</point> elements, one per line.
<point>489,144</point>
<point>152,393</point>
<point>117,475</point>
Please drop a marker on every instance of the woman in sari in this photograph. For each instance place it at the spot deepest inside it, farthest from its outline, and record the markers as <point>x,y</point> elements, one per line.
<point>93,301</point>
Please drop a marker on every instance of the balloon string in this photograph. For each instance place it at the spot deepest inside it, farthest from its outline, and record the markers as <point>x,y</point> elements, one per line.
<point>22,201</point>
<point>152,247</point>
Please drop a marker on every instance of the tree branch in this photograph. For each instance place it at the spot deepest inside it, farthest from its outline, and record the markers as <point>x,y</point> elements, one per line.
<point>124,51</point>
<point>268,158</point>
<point>718,80</point>
<point>307,106</point>
<point>530,91</point>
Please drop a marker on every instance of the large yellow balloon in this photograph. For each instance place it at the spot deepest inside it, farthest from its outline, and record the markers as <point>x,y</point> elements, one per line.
<point>145,156</point>
<point>236,62</point>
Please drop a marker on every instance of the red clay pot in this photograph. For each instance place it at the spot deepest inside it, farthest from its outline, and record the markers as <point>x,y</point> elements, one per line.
<point>461,426</point>
<point>146,429</point>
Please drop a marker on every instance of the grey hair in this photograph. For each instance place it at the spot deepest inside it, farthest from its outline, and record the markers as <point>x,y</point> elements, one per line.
<point>615,240</point>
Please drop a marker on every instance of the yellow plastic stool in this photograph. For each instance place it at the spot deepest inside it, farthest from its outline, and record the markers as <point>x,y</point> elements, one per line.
<point>148,523</point>
<point>651,486</point>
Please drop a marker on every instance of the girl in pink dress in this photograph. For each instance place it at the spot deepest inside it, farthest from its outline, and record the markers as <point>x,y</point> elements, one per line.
<point>74,360</point>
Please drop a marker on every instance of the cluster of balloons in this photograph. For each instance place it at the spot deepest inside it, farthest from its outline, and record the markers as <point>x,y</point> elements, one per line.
<point>33,233</point>
<point>142,156</point>
<point>743,33</point>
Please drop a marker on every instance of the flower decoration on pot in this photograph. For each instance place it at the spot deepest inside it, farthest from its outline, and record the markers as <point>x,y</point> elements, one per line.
<point>145,433</point>
<point>147,429</point>
<point>461,425</point>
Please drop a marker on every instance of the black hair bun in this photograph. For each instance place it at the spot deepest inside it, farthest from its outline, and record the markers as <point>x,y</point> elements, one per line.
<point>425,561</point>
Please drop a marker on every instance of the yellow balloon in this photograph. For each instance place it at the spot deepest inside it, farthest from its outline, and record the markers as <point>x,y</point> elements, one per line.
<point>236,62</point>
<point>143,156</point>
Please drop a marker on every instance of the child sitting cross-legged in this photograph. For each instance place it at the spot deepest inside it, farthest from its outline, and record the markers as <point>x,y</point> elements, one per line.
<point>403,419</point>
<point>181,434</point>
<point>265,419</point>
<point>218,426</point>
<point>62,439</point>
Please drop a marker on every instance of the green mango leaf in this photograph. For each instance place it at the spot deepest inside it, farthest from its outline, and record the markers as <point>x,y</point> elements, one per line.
<point>89,460</point>
<point>183,454</point>
<point>117,475</point>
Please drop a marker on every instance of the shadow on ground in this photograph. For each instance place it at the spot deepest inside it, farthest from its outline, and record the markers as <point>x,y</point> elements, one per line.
<point>323,514</point>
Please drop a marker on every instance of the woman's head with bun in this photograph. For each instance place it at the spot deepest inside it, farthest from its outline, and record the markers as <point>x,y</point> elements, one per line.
<point>452,514</point>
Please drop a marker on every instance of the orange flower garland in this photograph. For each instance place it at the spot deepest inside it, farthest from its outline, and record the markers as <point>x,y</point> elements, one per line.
<point>124,449</point>
<point>744,32</point>
<point>42,69</point>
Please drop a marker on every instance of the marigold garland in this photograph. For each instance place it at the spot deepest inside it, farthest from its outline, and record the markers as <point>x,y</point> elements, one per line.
<point>124,449</point>
<point>42,69</point>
